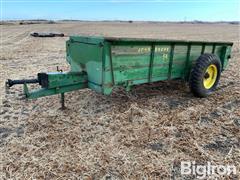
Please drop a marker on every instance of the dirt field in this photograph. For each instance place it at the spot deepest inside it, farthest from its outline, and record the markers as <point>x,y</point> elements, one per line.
<point>142,134</point>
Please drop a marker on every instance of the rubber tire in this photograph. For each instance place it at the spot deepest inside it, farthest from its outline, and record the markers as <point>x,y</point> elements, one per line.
<point>198,72</point>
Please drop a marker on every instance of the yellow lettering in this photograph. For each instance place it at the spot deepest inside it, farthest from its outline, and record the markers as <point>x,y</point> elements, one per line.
<point>165,57</point>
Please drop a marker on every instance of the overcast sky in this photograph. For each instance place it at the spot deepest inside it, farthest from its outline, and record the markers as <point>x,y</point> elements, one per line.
<point>147,10</point>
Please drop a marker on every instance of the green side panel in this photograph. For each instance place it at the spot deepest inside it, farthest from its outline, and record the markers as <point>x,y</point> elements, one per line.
<point>131,74</point>
<point>130,63</point>
<point>138,81</point>
<point>195,52</point>
<point>87,57</point>
<point>208,49</point>
<point>223,52</point>
<point>161,62</point>
<point>218,50</point>
<point>94,71</point>
<point>179,61</point>
<point>225,56</point>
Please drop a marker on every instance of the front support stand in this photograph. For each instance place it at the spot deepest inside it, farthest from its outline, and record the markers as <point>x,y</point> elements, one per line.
<point>62,102</point>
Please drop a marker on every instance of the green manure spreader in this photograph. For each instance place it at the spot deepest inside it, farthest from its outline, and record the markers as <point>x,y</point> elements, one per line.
<point>102,63</point>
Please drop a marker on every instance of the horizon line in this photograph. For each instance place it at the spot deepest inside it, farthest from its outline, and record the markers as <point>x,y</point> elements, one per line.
<point>39,19</point>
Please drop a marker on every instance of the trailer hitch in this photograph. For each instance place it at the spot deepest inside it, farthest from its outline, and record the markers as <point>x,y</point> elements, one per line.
<point>11,82</point>
<point>52,83</point>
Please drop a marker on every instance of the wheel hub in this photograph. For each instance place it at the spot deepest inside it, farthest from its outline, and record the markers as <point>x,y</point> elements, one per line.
<point>206,76</point>
<point>210,76</point>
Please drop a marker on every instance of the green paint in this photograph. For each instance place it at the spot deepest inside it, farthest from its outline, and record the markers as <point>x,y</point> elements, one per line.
<point>103,63</point>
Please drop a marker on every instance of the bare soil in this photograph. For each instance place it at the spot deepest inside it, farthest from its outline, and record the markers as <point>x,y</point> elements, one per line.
<point>142,134</point>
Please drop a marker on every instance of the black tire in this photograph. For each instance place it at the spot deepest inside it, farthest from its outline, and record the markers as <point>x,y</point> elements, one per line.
<point>198,74</point>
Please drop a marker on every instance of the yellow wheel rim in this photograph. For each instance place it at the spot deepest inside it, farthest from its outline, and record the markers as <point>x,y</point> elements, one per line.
<point>210,76</point>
